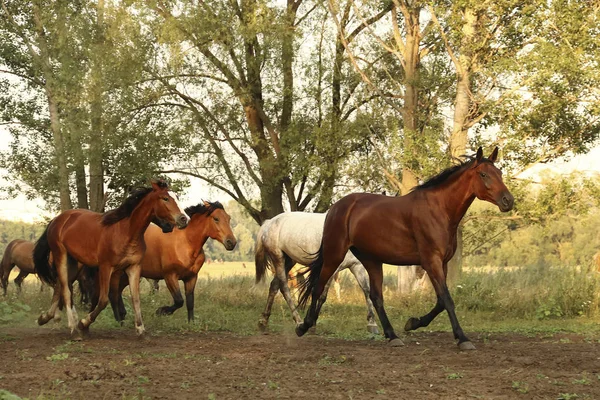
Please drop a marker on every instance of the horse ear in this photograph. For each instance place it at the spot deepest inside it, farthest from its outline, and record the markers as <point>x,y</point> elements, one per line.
<point>159,184</point>
<point>479,155</point>
<point>206,203</point>
<point>494,156</point>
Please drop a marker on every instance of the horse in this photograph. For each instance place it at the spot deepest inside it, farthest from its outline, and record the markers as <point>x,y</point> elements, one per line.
<point>418,228</point>
<point>178,256</point>
<point>19,253</point>
<point>292,238</point>
<point>112,241</point>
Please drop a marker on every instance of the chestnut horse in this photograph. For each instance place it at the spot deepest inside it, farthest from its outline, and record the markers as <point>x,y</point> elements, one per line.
<point>112,241</point>
<point>178,256</point>
<point>416,229</point>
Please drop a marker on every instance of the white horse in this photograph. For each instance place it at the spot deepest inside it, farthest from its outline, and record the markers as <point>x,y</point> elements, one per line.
<point>294,238</point>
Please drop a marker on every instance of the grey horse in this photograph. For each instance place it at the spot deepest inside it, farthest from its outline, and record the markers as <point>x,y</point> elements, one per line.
<point>293,238</point>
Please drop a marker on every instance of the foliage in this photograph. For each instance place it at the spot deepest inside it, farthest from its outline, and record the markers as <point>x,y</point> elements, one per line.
<point>554,223</point>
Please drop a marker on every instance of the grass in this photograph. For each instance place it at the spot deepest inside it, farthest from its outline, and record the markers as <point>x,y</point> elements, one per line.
<point>529,301</point>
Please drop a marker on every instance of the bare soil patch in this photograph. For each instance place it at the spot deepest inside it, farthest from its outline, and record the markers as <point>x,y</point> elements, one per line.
<point>114,364</point>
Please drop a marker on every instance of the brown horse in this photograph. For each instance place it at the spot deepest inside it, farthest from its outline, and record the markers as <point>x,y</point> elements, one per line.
<point>416,229</point>
<point>178,256</point>
<point>17,253</point>
<point>112,241</point>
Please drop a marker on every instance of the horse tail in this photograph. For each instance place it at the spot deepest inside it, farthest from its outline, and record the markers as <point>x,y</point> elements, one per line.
<point>41,259</point>
<point>306,288</point>
<point>262,259</point>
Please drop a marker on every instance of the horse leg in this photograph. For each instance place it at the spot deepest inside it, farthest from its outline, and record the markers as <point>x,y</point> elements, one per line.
<point>62,270</point>
<point>19,280</point>
<point>104,274</point>
<point>48,315</point>
<point>414,323</point>
<point>114,293</point>
<point>336,285</point>
<point>173,286</point>
<point>437,271</point>
<point>189,286</point>
<point>263,322</point>
<point>331,261</point>
<point>7,266</point>
<point>362,278</point>
<point>133,274</point>
<point>281,273</point>
<point>375,271</point>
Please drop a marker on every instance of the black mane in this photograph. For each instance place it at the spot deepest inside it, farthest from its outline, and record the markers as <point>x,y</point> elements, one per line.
<point>125,209</point>
<point>202,208</point>
<point>448,172</point>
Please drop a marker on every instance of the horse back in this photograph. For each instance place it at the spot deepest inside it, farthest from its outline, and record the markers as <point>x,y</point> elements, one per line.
<point>80,232</point>
<point>21,254</point>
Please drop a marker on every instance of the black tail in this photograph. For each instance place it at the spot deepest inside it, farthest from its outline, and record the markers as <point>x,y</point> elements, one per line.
<point>41,259</point>
<point>306,288</point>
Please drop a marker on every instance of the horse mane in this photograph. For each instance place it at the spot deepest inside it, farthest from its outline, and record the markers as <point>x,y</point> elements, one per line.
<point>443,176</point>
<point>202,208</point>
<point>125,209</point>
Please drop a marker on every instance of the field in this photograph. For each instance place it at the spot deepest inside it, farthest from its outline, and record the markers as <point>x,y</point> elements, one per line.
<point>547,348</point>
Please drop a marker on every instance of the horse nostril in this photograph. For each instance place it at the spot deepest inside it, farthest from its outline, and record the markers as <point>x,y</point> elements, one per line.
<point>505,201</point>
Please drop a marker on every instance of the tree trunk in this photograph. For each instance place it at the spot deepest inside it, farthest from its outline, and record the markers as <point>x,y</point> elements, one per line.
<point>79,166</point>
<point>55,124</point>
<point>459,137</point>
<point>96,135</point>
<point>411,102</point>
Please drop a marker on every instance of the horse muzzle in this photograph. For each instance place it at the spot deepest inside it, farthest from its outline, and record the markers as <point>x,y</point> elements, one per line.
<point>506,203</point>
<point>166,226</point>
<point>182,221</point>
<point>229,243</point>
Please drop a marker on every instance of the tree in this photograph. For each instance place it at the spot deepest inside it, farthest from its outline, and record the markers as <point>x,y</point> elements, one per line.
<point>258,134</point>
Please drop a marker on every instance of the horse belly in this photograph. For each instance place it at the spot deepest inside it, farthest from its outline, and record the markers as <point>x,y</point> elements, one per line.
<point>394,246</point>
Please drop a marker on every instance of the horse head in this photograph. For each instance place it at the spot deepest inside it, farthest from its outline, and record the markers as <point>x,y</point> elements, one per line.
<point>165,207</point>
<point>487,184</point>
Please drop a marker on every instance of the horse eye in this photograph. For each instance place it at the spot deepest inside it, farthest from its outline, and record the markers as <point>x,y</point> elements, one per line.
<point>216,219</point>
<point>483,174</point>
<point>165,198</point>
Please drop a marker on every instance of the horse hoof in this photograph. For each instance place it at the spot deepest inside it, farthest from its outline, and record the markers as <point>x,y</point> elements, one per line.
<point>373,329</point>
<point>42,320</point>
<point>464,346</point>
<point>396,343</point>
<point>412,324</point>
<point>263,327</point>
<point>163,311</point>
<point>301,330</point>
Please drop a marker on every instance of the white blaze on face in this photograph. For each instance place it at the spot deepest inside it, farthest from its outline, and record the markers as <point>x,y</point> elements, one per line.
<point>176,199</point>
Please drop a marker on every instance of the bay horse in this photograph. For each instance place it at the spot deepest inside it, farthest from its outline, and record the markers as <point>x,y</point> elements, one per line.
<point>293,238</point>
<point>18,253</point>
<point>418,228</point>
<point>112,241</point>
<point>178,256</point>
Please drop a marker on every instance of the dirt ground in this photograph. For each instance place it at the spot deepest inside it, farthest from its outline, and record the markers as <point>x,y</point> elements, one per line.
<point>114,364</point>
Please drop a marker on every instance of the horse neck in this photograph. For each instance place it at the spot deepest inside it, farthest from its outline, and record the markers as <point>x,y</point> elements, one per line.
<point>456,197</point>
<point>138,221</point>
<point>197,231</point>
